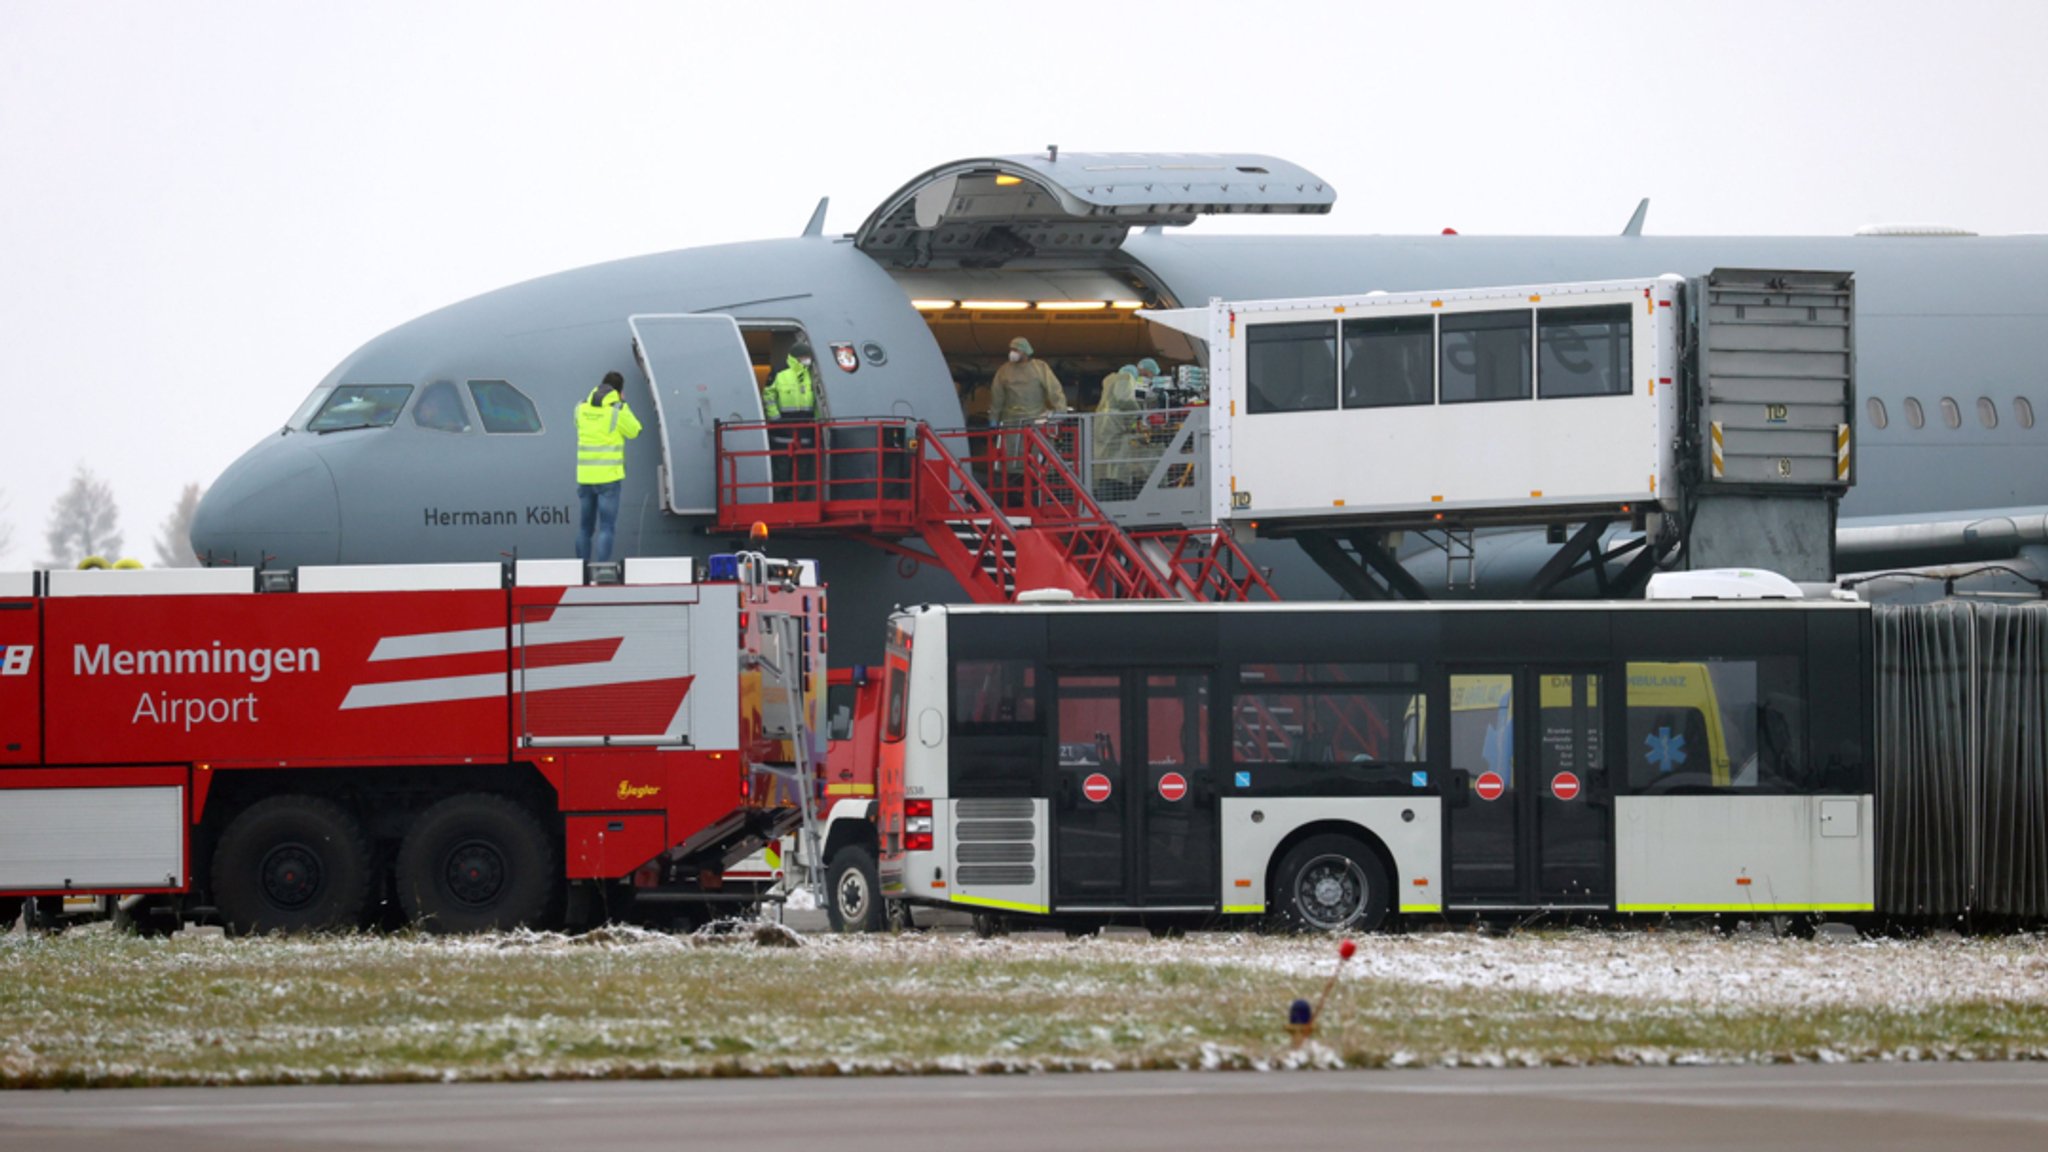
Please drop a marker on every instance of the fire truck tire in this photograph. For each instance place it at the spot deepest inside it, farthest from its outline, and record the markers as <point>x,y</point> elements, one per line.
<point>1332,883</point>
<point>476,863</point>
<point>853,891</point>
<point>10,911</point>
<point>292,864</point>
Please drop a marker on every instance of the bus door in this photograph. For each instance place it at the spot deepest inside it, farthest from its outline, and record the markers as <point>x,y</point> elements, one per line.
<point>1531,820</point>
<point>1132,792</point>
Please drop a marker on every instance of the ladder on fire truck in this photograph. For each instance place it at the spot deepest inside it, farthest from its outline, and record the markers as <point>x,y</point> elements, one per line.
<point>1002,510</point>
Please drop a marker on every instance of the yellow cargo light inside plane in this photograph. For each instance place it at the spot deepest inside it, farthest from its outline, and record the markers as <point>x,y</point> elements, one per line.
<point>1072,305</point>
<point>995,305</point>
<point>931,305</point>
<point>1127,305</point>
<point>1006,181</point>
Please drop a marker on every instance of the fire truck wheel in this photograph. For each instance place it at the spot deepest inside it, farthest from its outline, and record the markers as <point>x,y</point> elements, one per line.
<point>853,890</point>
<point>292,864</point>
<point>10,911</point>
<point>476,863</point>
<point>1332,883</point>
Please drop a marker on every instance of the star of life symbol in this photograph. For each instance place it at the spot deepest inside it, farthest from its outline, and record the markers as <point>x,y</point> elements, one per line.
<point>1667,751</point>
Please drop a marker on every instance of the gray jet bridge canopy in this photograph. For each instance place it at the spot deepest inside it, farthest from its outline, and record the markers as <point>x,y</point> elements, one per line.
<point>987,211</point>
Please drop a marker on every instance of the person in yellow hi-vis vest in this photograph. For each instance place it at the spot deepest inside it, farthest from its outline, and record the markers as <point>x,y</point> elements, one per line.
<point>604,422</point>
<point>790,401</point>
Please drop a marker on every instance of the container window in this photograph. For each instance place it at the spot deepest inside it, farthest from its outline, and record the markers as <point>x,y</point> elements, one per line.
<point>1291,367</point>
<point>1389,363</point>
<point>1485,356</point>
<point>1583,351</point>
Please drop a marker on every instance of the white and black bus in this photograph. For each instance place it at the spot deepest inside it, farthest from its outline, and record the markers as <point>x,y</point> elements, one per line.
<point>1337,764</point>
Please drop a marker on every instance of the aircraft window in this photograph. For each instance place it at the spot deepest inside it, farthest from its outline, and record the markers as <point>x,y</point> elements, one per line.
<point>307,409</point>
<point>440,408</point>
<point>503,407</point>
<point>1950,414</point>
<point>1389,363</point>
<point>360,406</point>
<point>1485,356</point>
<point>1878,417</point>
<point>1914,415</point>
<point>1291,367</point>
<point>1987,412</point>
<point>2023,411</point>
<point>1583,351</point>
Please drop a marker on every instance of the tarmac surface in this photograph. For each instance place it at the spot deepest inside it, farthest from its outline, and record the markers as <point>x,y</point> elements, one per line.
<point>1865,1107</point>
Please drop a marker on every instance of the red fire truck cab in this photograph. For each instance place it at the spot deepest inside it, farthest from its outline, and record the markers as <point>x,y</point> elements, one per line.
<point>473,746</point>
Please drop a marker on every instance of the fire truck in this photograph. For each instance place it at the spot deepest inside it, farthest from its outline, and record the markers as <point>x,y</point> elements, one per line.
<point>468,746</point>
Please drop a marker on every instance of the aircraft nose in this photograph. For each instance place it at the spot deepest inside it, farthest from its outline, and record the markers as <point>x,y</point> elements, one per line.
<point>275,506</point>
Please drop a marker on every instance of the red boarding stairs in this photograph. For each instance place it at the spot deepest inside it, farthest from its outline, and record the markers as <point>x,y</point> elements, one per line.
<point>1002,510</point>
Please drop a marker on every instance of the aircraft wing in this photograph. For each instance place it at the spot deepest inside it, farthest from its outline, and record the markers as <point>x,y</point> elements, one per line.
<point>1871,543</point>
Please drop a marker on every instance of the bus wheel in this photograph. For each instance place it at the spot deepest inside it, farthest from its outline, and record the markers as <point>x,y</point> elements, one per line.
<point>1332,883</point>
<point>476,863</point>
<point>292,864</point>
<point>853,891</point>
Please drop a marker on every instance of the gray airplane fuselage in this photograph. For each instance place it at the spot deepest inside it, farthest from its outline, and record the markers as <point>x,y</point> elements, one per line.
<point>1949,316</point>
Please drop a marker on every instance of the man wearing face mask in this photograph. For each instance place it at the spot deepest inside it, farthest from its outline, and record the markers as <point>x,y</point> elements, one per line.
<point>1024,390</point>
<point>791,400</point>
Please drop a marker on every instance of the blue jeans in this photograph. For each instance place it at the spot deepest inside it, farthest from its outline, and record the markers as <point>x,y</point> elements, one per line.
<point>600,512</point>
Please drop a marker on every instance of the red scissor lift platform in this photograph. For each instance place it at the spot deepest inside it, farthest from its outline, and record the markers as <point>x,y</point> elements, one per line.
<point>1002,509</point>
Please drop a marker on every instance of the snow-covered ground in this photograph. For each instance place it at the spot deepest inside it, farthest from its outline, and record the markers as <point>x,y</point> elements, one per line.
<point>93,1007</point>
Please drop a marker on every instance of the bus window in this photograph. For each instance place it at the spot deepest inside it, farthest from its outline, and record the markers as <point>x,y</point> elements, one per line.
<point>1716,724</point>
<point>898,692</point>
<point>1328,729</point>
<point>995,692</point>
<point>1483,725</point>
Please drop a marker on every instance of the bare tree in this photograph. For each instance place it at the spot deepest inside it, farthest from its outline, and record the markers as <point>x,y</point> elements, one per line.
<point>84,522</point>
<point>174,546</point>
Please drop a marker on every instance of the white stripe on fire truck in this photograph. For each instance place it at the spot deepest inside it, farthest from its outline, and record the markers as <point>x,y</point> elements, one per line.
<point>443,689</point>
<point>439,644</point>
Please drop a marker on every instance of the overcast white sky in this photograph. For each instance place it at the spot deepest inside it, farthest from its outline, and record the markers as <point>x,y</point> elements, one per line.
<point>203,207</point>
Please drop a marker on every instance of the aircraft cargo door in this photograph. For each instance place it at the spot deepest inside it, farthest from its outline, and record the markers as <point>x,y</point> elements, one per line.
<point>700,374</point>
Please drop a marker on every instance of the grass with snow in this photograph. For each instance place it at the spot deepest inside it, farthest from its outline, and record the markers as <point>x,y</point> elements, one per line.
<point>98,1008</point>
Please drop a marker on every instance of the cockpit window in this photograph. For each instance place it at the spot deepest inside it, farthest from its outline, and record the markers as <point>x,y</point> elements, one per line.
<point>298,421</point>
<point>360,406</point>
<point>440,408</point>
<point>503,407</point>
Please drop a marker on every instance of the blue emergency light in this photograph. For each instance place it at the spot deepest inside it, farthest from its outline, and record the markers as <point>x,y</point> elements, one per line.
<point>723,566</point>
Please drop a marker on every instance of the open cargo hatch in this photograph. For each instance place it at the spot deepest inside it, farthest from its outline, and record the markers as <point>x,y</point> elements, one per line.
<point>987,212</point>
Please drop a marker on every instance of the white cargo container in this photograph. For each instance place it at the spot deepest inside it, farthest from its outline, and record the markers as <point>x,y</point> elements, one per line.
<point>1482,405</point>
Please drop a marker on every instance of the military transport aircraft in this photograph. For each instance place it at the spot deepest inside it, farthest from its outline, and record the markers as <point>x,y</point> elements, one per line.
<point>449,438</point>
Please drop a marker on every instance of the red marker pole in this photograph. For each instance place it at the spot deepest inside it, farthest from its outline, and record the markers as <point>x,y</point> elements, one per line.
<point>1303,1029</point>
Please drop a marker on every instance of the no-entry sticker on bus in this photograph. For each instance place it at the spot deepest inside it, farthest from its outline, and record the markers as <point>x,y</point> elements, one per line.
<point>1489,786</point>
<point>1564,785</point>
<point>1172,786</point>
<point>1096,787</point>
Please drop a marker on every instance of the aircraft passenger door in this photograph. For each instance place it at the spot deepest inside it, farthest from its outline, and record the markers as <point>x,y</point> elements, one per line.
<point>1133,796</point>
<point>698,369</point>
